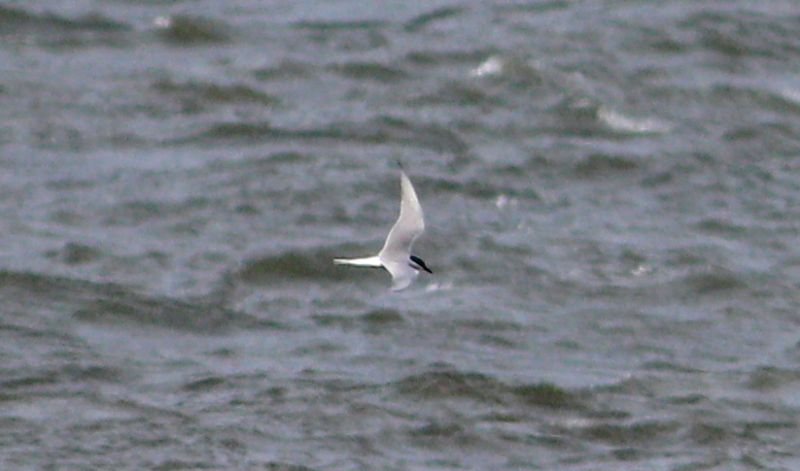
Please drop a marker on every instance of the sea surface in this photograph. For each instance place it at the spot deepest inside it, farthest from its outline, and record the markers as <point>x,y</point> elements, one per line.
<point>612,197</point>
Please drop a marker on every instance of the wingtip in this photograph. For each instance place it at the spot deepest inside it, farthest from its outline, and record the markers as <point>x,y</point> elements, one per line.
<point>403,174</point>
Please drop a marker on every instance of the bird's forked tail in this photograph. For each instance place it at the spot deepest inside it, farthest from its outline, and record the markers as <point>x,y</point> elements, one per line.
<point>374,261</point>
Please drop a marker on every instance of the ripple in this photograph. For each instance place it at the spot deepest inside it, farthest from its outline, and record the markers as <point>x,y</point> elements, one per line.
<point>284,70</point>
<point>279,466</point>
<point>29,381</point>
<point>290,265</point>
<point>598,165</point>
<point>370,71</point>
<point>118,307</point>
<point>426,57</point>
<point>211,93</point>
<point>451,384</point>
<point>382,130</point>
<point>730,36</point>
<point>444,434</point>
<point>348,36</point>
<point>771,378</point>
<point>40,381</point>
<point>721,227</point>
<point>422,21</point>
<point>704,433</point>
<point>370,322</point>
<point>100,373</point>
<point>485,389</point>
<point>637,432</point>
<point>337,25</point>
<point>713,282</point>
<point>547,395</point>
<point>660,365</point>
<point>135,212</point>
<point>186,30</point>
<point>457,94</point>
<point>16,19</point>
<point>204,384</point>
<point>76,253</point>
<point>382,317</point>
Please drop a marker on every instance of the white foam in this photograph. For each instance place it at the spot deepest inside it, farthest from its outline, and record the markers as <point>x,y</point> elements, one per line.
<point>494,65</point>
<point>790,94</point>
<point>627,124</point>
<point>445,286</point>
<point>503,201</point>
<point>162,22</point>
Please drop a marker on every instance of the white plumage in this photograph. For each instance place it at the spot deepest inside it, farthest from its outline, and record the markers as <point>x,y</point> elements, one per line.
<point>395,256</point>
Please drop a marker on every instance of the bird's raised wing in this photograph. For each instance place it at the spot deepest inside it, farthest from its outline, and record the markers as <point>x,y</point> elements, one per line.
<point>408,227</point>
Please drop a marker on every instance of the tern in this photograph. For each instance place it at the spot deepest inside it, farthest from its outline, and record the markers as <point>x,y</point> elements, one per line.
<point>395,256</point>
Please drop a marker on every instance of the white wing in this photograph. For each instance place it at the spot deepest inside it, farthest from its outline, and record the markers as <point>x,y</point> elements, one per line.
<point>394,256</point>
<point>402,274</point>
<point>405,231</point>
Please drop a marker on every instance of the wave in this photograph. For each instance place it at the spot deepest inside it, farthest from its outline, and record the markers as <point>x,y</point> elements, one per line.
<point>284,70</point>
<point>76,253</point>
<point>631,434</point>
<point>115,305</point>
<point>372,71</point>
<point>730,35</point>
<point>427,57</point>
<point>376,320</point>
<point>422,21</point>
<point>14,20</point>
<point>770,378</point>
<point>293,264</point>
<point>185,30</point>
<point>626,124</point>
<point>598,165</point>
<point>381,130</point>
<point>338,25</point>
<point>452,384</point>
<point>457,94</point>
<point>56,32</point>
<point>195,92</point>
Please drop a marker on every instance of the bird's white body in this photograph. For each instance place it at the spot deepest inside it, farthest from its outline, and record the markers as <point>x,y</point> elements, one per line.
<point>395,256</point>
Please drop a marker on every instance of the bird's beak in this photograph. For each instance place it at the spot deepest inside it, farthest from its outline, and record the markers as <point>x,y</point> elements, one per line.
<point>419,264</point>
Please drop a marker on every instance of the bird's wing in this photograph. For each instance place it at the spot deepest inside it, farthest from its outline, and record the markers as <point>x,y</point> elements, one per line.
<point>408,227</point>
<point>402,274</point>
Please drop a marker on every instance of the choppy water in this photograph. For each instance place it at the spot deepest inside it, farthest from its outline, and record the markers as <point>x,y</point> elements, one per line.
<point>612,191</point>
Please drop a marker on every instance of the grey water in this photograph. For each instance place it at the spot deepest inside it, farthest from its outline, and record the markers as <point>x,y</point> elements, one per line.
<point>612,194</point>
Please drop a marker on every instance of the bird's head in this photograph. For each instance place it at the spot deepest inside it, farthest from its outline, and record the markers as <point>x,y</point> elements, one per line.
<point>418,264</point>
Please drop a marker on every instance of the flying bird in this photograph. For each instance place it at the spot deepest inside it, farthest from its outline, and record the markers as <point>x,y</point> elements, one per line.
<point>395,256</point>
